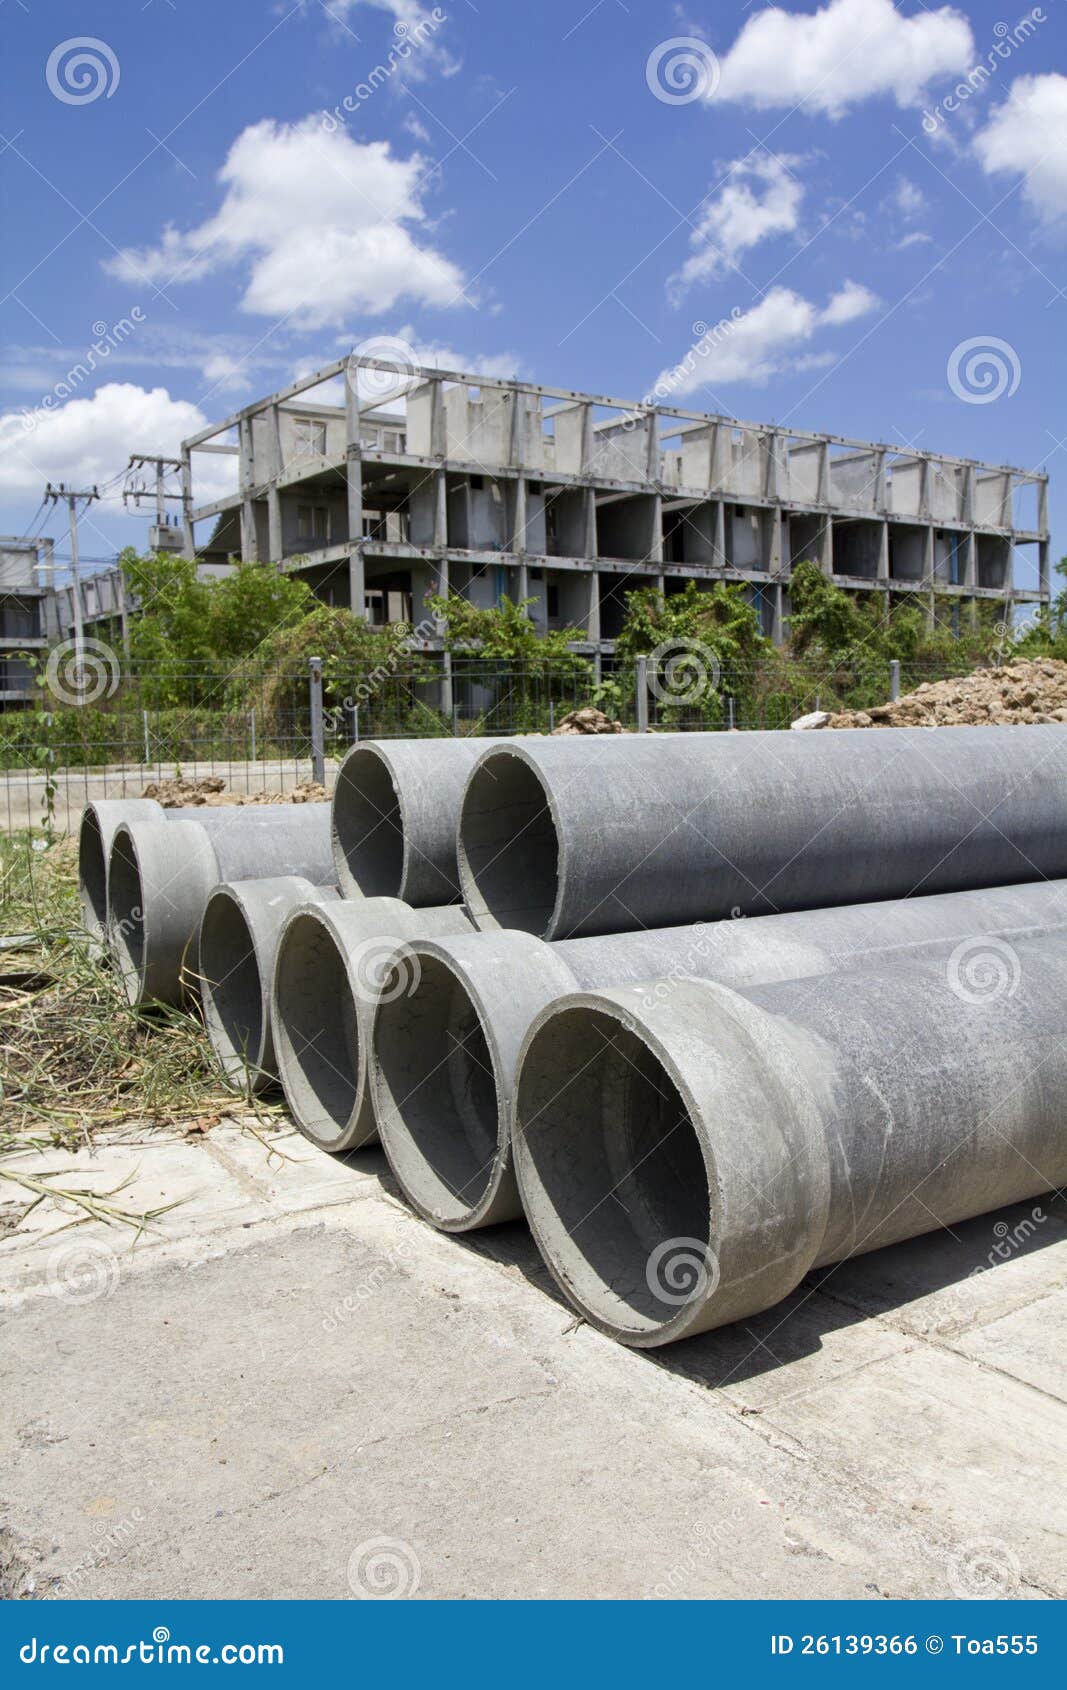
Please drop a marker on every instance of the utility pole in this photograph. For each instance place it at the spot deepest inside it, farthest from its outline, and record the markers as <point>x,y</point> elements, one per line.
<point>69,496</point>
<point>137,490</point>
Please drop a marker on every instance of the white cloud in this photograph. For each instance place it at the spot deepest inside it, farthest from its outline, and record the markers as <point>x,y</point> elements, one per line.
<point>323,222</point>
<point>917,237</point>
<point>89,440</point>
<point>225,374</point>
<point>907,199</point>
<point>740,218</point>
<point>766,340</point>
<point>1027,136</point>
<point>852,301</point>
<point>849,51</point>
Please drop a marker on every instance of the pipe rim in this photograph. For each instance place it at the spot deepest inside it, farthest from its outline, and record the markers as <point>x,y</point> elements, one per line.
<point>387,876</point>
<point>92,875</point>
<point>126,937</point>
<point>240,1050</point>
<point>324,1098</point>
<point>434,1135</point>
<point>485,892</point>
<point>672,1271</point>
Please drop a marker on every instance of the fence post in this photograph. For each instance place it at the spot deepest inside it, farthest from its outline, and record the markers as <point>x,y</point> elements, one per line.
<point>894,679</point>
<point>551,715</point>
<point>318,752</point>
<point>147,747</point>
<point>355,724</point>
<point>642,695</point>
<point>730,713</point>
<point>252,734</point>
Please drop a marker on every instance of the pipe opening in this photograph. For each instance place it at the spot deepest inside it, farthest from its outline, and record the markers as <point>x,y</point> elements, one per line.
<point>508,848</point>
<point>438,1108</point>
<point>368,828</point>
<point>231,989</point>
<point>92,875</point>
<point>125,911</point>
<point>316,1035</point>
<point>614,1180</point>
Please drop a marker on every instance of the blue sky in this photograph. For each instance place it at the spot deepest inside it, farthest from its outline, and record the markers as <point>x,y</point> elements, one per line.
<point>568,191</point>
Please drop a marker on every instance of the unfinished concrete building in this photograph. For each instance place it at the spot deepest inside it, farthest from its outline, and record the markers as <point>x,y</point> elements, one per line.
<point>25,571</point>
<point>493,488</point>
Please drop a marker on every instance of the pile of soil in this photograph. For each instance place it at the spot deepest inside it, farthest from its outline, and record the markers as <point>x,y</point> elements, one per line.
<point>587,721</point>
<point>210,791</point>
<point>1031,691</point>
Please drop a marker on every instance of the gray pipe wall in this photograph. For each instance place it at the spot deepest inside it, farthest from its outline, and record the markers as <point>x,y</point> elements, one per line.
<point>236,946</point>
<point>100,820</point>
<point>570,837</point>
<point>685,1167</point>
<point>328,970</point>
<point>444,1052</point>
<point>395,810</point>
<point>160,877</point>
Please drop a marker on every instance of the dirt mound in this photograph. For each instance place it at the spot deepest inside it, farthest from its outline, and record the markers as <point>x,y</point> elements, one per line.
<point>1032,691</point>
<point>210,791</point>
<point>590,720</point>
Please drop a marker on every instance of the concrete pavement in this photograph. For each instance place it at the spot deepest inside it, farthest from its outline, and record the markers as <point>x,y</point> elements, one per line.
<point>295,1388</point>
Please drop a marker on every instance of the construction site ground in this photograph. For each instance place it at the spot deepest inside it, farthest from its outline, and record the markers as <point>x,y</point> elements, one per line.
<point>289,1366</point>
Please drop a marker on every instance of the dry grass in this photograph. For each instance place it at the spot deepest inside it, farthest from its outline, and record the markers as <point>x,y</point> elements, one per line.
<point>75,1059</point>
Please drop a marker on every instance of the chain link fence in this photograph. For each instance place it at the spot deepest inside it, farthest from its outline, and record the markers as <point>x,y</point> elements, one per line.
<point>294,726</point>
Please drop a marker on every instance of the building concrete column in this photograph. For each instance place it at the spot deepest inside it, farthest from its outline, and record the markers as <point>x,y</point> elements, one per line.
<point>592,620</point>
<point>249,546</point>
<point>590,523</point>
<point>655,553</point>
<point>883,551</point>
<point>718,544</point>
<point>774,541</point>
<point>518,535</point>
<point>440,509</point>
<point>276,542</point>
<point>188,536</point>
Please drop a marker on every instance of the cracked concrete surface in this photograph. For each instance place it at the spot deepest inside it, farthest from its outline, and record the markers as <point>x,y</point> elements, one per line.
<point>293,1380</point>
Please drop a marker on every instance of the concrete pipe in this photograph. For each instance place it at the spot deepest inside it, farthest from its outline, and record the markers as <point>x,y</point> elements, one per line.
<point>237,943</point>
<point>443,1053</point>
<point>569,837</point>
<point>395,809</point>
<point>100,820</point>
<point>161,876</point>
<point>683,1170</point>
<point>327,975</point>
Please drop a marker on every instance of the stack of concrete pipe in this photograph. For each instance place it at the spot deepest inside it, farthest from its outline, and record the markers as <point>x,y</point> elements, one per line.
<point>521,964</point>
